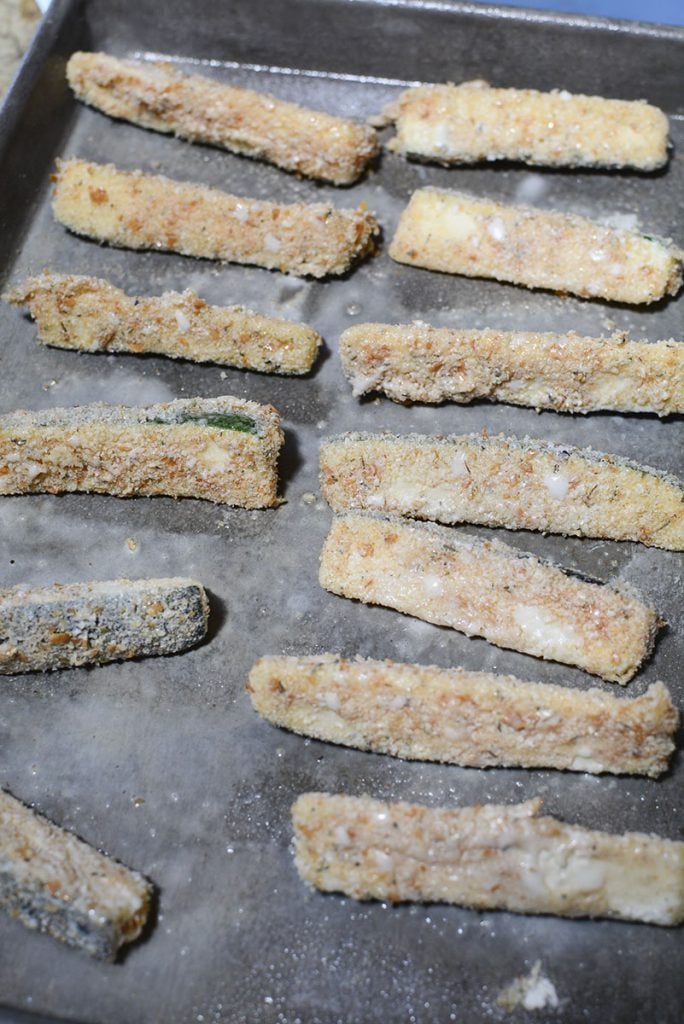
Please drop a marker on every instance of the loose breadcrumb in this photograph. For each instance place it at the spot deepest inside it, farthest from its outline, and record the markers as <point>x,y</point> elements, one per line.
<point>488,857</point>
<point>462,124</point>
<point>91,315</point>
<point>455,716</point>
<point>503,481</point>
<point>256,124</point>
<point>566,372</point>
<point>485,588</point>
<point>133,210</point>
<point>461,234</point>
<point>53,882</point>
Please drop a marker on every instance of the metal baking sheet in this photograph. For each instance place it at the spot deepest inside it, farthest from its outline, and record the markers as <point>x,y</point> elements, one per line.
<point>162,763</point>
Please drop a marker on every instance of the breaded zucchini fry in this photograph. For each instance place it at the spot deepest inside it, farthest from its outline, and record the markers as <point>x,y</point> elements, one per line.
<point>133,210</point>
<point>91,315</point>
<point>222,449</point>
<point>70,624</point>
<point>485,588</point>
<point>461,124</point>
<point>53,882</point>
<point>566,372</point>
<point>256,124</point>
<point>455,716</point>
<point>461,234</point>
<point>503,481</point>
<point>487,857</point>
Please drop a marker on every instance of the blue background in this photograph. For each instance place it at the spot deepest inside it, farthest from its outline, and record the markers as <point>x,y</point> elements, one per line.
<point>670,12</point>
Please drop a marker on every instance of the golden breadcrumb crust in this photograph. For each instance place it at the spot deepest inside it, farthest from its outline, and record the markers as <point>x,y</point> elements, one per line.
<point>91,315</point>
<point>133,210</point>
<point>487,856</point>
<point>256,124</point>
<point>477,719</point>
<point>485,588</point>
<point>566,372</point>
<point>503,481</point>
<point>461,234</point>
<point>456,124</point>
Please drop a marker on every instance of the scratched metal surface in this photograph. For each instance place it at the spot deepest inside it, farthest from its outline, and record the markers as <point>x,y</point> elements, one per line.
<point>162,763</point>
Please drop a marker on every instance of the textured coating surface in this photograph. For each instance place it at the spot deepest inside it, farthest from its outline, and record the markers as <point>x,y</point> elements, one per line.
<point>465,123</point>
<point>133,210</point>
<point>54,882</point>
<point>470,718</point>
<point>254,124</point>
<point>486,856</point>
<point>69,624</point>
<point>478,237</point>
<point>91,315</point>
<point>520,484</point>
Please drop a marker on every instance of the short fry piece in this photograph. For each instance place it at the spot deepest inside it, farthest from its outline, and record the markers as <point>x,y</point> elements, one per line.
<point>70,624</point>
<point>461,234</point>
<point>566,372</point>
<point>257,124</point>
<point>503,481</point>
<point>91,315</point>
<point>455,716</point>
<point>133,210</point>
<point>487,857</point>
<point>54,882</point>
<point>485,588</point>
<point>222,449</point>
<point>462,124</point>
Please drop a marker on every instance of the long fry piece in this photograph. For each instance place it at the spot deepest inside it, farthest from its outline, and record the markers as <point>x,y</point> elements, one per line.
<point>53,882</point>
<point>488,857</point>
<point>133,210</point>
<point>256,124</point>
<point>461,234</point>
<point>487,589</point>
<point>221,449</point>
<point>566,372</point>
<point>462,124</point>
<point>503,481</point>
<point>91,315</point>
<point>455,716</point>
<point>70,624</point>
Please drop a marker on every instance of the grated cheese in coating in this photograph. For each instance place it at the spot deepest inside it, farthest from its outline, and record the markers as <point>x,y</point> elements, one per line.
<point>71,624</point>
<point>256,124</point>
<point>503,481</point>
<point>484,588</point>
<point>54,882</point>
<point>89,314</point>
<point>455,716</point>
<point>566,372</point>
<point>488,857</point>
<point>133,210</point>
<point>221,449</point>
<point>462,234</point>
<point>462,124</point>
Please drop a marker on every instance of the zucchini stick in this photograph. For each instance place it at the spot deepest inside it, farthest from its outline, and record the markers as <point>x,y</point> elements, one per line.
<point>477,719</point>
<point>487,589</point>
<point>461,234</point>
<point>133,210</point>
<point>70,624</point>
<point>256,124</point>
<point>53,882</point>
<point>488,857</point>
<point>91,315</point>
<point>566,372</point>
<point>462,124</point>
<point>222,449</point>
<point>502,481</point>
